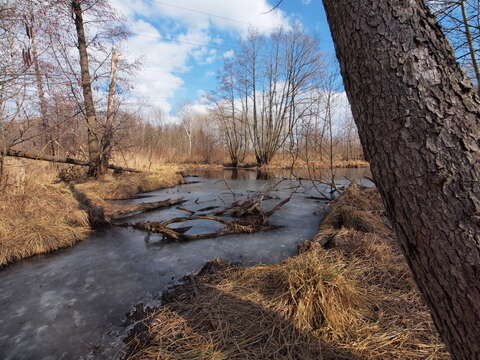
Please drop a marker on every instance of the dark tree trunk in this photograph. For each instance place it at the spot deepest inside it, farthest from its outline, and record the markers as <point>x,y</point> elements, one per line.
<point>95,168</point>
<point>418,119</point>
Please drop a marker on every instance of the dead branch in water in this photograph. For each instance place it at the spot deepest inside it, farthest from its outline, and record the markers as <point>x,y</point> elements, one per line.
<point>191,212</point>
<point>250,218</point>
<point>179,235</point>
<point>146,207</point>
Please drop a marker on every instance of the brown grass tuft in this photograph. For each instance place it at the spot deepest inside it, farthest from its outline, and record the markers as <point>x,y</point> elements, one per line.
<point>127,185</point>
<point>38,217</point>
<point>355,301</point>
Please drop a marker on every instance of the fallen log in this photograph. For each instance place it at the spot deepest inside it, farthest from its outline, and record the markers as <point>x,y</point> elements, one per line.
<point>146,207</point>
<point>277,207</point>
<point>318,198</point>
<point>190,182</point>
<point>191,212</point>
<point>208,208</point>
<point>66,160</point>
<point>179,235</point>
<point>250,208</point>
<point>250,218</point>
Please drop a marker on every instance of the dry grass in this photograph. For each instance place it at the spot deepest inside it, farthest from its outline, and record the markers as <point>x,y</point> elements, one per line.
<point>127,185</point>
<point>355,301</point>
<point>96,193</point>
<point>285,162</point>
<point>38,215</point>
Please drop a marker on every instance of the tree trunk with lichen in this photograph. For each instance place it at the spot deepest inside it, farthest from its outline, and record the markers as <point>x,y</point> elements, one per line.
<point>419,121</point>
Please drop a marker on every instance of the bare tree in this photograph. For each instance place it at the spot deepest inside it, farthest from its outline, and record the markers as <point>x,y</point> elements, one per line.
<point>186,118</point>
<point>280,74</point>
<point>460,20</point>
<point>15,62</point>
<point>106,143</point>
<point>230,114</point>
<point>94,151</point>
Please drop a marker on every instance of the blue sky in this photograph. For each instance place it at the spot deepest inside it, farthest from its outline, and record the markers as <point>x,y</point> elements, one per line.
<point>182,43</point>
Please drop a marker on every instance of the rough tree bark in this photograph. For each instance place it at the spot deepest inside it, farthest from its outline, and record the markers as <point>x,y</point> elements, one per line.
<point>95,160</point>
<point>418,118</point>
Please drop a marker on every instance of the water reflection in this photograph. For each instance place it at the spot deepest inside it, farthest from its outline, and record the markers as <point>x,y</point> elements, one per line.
<point>340,174</point>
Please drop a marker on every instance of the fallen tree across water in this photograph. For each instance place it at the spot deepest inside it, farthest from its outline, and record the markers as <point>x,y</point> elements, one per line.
<point>249,218</point>
<point>178,234</point>
<point>146,207</point>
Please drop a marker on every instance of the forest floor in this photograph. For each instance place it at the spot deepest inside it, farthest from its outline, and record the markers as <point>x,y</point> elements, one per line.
<point>39,213</point>
<point>354,300</point>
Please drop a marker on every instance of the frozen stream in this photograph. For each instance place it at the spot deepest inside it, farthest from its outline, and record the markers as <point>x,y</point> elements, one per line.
<point>72,304</point>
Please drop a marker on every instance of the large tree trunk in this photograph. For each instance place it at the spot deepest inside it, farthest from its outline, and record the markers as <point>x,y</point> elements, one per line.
<point>418,119</point>
<point>94,152</point>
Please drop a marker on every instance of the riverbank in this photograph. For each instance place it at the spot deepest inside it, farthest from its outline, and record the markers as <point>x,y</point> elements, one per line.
<point>356,300</point>
<point>282,163</point>
<point>38,214</point>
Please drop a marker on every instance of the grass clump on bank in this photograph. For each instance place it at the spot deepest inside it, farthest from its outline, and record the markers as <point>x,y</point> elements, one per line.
<point>38,214</point>
<point>124,186</point>
<point>354,301</point>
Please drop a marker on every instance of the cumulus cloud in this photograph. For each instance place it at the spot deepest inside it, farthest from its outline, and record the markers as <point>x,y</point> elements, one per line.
<point>234,15</point>
<point>167,34</point>
<point>161,60</point>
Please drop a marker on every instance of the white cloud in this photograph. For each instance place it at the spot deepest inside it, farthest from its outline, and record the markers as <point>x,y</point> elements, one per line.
<point>306,2</point>
<point>162,62</point>
<point>233,15</point>
<point>165,52</point>
<point>229,54</point>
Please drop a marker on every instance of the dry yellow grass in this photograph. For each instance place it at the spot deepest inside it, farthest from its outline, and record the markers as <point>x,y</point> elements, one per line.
<point>285,162</point>
<point>127,185</point>
<point>38,215</point>
<point>355,301</point>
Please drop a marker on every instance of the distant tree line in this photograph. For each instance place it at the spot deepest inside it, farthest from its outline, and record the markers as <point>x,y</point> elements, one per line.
<point>64,91</point>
